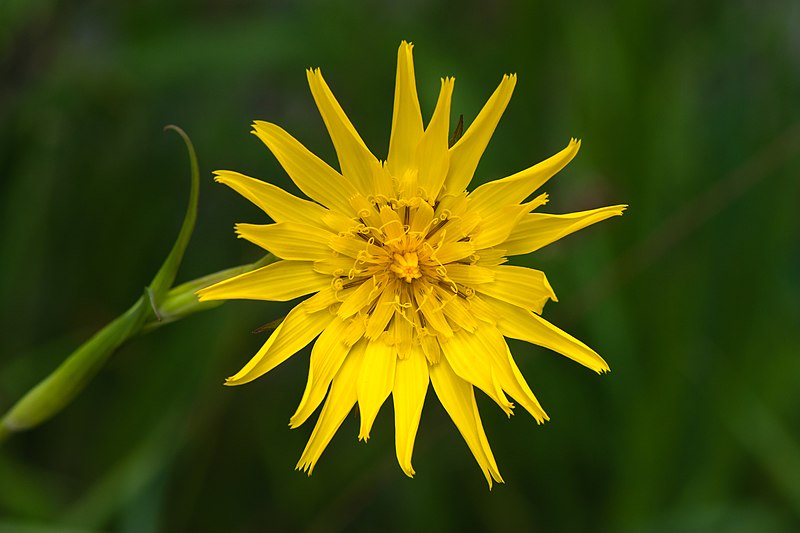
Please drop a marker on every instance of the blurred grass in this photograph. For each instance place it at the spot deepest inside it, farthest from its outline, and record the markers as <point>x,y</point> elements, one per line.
<point>693,296</point>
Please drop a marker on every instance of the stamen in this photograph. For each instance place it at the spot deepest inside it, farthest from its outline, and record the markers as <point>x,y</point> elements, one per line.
<point>354,283</point>
<point>454,288</point>
<point>439,225</point>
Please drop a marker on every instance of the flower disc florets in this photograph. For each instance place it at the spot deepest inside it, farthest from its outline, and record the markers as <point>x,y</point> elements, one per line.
<point>398,254</point>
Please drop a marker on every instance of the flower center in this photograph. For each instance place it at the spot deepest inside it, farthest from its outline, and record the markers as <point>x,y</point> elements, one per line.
<point>406,266</point>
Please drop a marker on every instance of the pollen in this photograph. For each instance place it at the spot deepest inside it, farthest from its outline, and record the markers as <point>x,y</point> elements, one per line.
<point>406,266</point>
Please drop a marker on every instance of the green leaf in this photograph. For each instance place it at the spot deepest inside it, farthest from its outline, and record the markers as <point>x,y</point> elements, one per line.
<point>165,276</point>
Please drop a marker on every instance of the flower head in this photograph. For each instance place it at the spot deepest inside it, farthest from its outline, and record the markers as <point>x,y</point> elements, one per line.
<point>407,270</point>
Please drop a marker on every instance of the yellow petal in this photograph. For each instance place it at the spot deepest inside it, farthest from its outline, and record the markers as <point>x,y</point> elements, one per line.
<point>453,251</point>
<point>365,210</point>
<point>497,194</point>
<point>406,117</point>
<point>375,380</point>
<point>456,309</point>
<point>322,300</point>
<point>359,298</point>
<point>458,399</point>
<point>278,204</point>
<point>341,400</point>
<point>524,287</point>
<point>353,246</point>
<point>465,154</point>
<point>281,281</point>
<point>354,331</point>
<point>498,225</point>
<point>406,185</point>
<point>469,274</point>
<point>430,347</point>
<point>470,362</point>
<point>429,305</point>
<point>491,257</point>
<point>288,240</point>
<point>391,225</point>
<point>454,203</point>
<point>402,330</point>
<point>382,183</point>
<point>408,394</point>
<point>293,334</point>
<point>327,357</point>
<point>529,327</point>
<point>336,222</point>
<point>432,154</point>
<point>311,174</point>
<point>509,377</point>
<point>422,218</point>
<point>356,161</point>
<point>537,230</point>
<point>337,265</point>
<point>477,307</point>
<point>382,314</point>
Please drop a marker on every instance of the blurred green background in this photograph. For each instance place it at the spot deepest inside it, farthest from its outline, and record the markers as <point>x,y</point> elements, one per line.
<point>688,111</point>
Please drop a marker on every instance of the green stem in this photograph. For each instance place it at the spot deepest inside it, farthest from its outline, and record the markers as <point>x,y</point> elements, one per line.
<point>181,301</point>
<point>58,389</point>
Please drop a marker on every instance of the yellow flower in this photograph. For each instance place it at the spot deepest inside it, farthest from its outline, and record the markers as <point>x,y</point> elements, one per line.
<point>407,270</point>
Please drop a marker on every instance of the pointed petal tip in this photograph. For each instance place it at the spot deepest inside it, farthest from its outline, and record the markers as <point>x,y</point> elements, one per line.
<point>311,75</point>
<point>304,466</point>
<point>507,85</point>
<point>495,473</point>
<point>615,210</point>
<point>408,470</point>
<point>229,177</point>
<point>601,366</point>
<point>493,477</point>
<point>260,127</point>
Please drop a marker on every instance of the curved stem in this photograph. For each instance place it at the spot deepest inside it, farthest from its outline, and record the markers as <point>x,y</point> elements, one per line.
<point>58,389</point>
